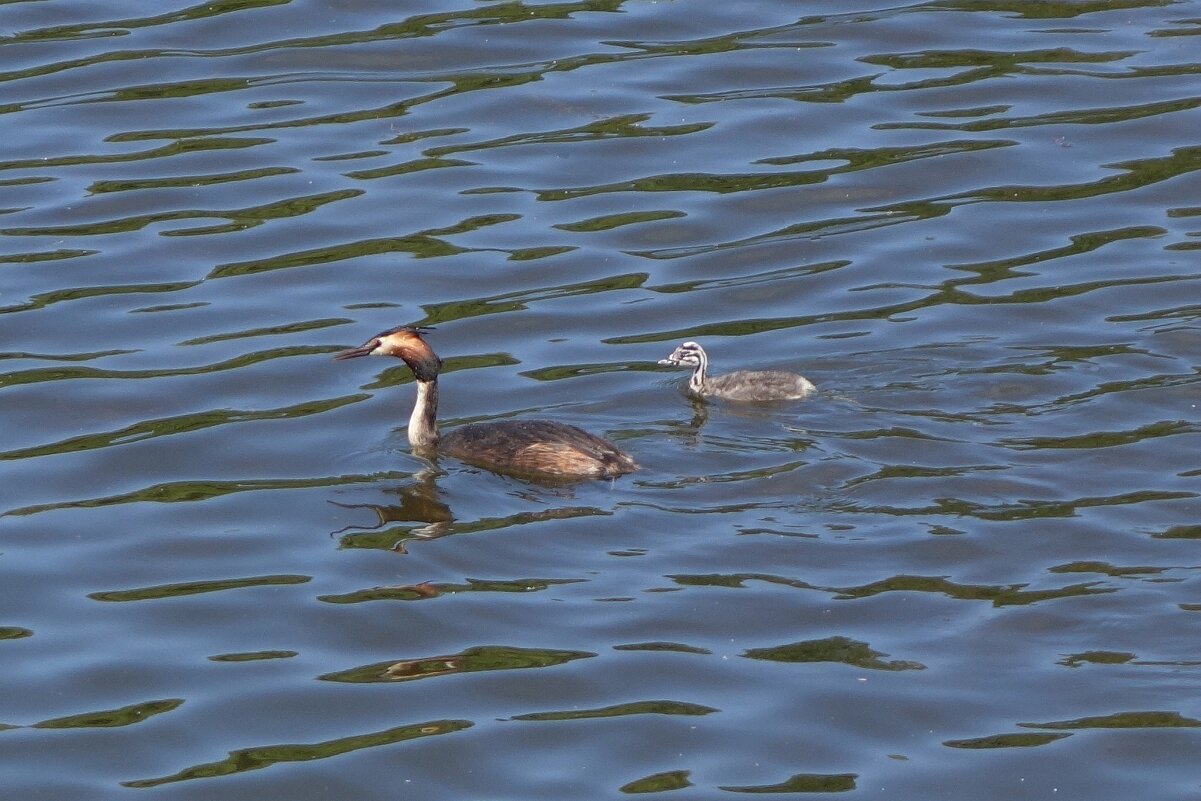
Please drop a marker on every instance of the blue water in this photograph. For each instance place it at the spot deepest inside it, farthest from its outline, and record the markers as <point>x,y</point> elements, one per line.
<point>967,568</point>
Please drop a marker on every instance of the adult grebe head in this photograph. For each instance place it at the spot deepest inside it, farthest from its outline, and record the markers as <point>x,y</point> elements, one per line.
<point>404,342</point>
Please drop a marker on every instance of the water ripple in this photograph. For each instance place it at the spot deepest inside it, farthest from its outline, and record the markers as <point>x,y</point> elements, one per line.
<point>969,223</point>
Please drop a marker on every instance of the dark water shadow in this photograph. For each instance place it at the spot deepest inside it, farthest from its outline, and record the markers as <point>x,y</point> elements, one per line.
<point>258,757</point>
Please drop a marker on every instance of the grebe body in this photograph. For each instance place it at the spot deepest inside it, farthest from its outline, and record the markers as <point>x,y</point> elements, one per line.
<point>742,385</point>
<point>535,448</point>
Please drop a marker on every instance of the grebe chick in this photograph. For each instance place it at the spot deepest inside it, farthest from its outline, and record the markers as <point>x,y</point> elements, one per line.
<point>536,448</point>
<point>743,385</point>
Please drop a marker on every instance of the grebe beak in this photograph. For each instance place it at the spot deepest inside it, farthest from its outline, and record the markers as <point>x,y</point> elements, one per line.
<point>354,353</point>
<point>669,361</point>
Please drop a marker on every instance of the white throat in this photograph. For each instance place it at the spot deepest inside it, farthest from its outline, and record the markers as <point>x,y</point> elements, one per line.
<point>423,425</point>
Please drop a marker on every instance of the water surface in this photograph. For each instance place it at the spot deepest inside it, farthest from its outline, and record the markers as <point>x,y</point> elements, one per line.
<point>966,568</point>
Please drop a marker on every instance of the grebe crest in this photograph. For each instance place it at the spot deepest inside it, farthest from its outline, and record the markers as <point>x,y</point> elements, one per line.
<point>742,385</point>
<point>533,448</point>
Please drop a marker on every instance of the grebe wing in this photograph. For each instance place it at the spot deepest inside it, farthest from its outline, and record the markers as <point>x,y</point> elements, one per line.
<point>536,446</point>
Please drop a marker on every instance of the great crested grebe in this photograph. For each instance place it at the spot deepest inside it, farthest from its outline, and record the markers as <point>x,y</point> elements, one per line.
<point>743,385</point>
<point>540,448</point>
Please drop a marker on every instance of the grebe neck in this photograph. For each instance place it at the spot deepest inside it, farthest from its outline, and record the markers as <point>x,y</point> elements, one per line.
<point>700,373</point>
<point>423,423</point>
